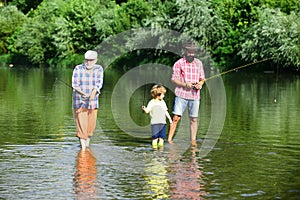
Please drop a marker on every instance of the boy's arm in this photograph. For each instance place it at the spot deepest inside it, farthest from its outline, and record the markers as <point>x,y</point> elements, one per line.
<point>145,109</point>
<point>169,117</point>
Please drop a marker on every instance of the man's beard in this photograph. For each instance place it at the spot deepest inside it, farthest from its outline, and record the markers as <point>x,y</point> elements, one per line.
<point>89,67</point>
<point>189,58</point>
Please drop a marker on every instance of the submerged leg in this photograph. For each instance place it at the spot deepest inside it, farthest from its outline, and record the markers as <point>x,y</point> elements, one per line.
<point>193,130</point>
<point>83,143</point>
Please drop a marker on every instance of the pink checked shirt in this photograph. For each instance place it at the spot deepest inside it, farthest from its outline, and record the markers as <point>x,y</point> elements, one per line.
<point>85,81</point>
<point>188,72</point>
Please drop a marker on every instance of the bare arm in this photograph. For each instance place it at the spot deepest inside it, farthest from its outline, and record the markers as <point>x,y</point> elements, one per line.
<point>145,109</point>
<point>169,117</point>
<point>199,85</point>
<point>182,84</point>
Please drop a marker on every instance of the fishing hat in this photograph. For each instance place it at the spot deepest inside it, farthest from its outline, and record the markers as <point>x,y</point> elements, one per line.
<point>91,55</point>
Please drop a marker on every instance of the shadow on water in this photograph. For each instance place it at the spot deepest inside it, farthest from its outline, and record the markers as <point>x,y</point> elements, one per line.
<point>257,155</point>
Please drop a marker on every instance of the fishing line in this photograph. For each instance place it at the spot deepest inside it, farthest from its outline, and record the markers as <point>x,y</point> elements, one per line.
<point>234,69</point>
<point>276,84</point>
<point>63,82</point>
<point>145,87</point>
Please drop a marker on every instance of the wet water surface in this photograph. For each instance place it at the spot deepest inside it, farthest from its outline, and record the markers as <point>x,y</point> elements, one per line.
<point>256,157</point>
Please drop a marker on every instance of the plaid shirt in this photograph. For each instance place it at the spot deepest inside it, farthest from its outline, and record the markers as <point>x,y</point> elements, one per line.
<point>86,80</point>
<point>188,72</point>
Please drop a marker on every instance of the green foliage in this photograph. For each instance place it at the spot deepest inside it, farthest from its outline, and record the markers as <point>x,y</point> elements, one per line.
<point>10,21</point>
<point>197,20</point>
<point>116,19</point>
<point>59,28</point>
<point>75,28</point>
<point>275,35</point>
<point>68,61</point>
<point>25,5</point>
<point>237,13</point>
<point>286,6</point>
<point>194,19</point>
<point>230,31</point>
<point>35,37</point>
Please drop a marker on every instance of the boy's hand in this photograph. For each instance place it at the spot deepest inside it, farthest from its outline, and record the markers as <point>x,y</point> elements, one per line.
<point>144,108</point>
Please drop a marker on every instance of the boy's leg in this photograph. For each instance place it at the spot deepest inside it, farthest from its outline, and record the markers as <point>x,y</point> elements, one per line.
<point>162,135</point>
<point>155,134</point>
<point>161,142</point>
<point>155,143</point>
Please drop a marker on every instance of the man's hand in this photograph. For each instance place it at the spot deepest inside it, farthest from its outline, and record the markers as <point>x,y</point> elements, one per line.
<point>198,86</point>
<point>93,94</point>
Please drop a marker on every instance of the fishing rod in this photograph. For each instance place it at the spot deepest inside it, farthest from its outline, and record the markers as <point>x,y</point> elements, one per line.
<point>240,67</point>
<point>80,92</point>
<point>243,66</point>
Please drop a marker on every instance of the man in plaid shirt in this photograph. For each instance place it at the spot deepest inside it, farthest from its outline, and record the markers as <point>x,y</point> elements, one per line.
<point>87,80</point>
<point>188,75</point>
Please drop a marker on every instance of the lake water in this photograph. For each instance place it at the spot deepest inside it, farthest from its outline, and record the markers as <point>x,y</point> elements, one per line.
<point>255,156</point>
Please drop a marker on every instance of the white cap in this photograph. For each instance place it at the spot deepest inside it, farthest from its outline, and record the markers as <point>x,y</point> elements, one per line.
<point>91,55</point>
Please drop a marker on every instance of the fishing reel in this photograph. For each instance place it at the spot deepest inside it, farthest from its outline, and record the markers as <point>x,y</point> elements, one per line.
<point>194,86</point>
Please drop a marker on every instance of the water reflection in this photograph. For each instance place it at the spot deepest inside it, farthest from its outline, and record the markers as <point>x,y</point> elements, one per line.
<point>85,177</point>
<point>186,179</point>
<point>257,155</point>
<point>156,176</point>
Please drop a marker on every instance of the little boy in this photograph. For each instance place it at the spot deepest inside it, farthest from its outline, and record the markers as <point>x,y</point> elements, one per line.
<point>158,111</point>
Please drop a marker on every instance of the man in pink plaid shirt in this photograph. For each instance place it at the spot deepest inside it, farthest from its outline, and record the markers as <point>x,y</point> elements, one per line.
<point>188,75</point>
<point>87,80</point>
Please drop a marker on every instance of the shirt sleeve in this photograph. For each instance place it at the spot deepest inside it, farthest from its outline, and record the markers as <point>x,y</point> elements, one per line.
<point>164,105</point>
<point>99,82</point>
<point>75,79</point>
<point>202,74</point>
<point>176,71</point>
<point>149,106</point>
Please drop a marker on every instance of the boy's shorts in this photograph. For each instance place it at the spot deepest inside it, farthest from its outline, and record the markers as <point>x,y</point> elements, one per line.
<point>158,131</point>
<point>181,104</point>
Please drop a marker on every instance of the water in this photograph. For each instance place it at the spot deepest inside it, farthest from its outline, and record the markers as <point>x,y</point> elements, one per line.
<point>256,157</point>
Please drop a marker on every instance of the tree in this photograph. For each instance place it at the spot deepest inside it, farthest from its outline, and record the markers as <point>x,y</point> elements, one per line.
<point>59,28</point>
<point>25,5</point>
<point>10,21</point>
<point>275,35</point>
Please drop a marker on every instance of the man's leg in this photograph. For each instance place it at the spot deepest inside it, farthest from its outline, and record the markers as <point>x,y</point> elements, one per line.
<point>193,113</point>
<point>92,120</point>
<point>193,129</point>
<point>81,117</point>
<point>81,120</point>
<point>172,129</point>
